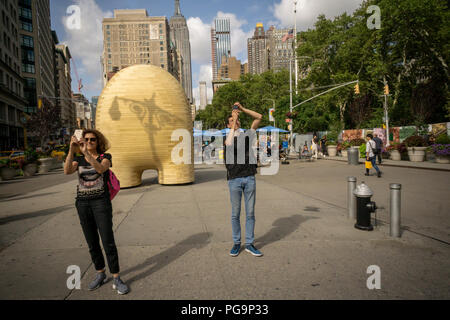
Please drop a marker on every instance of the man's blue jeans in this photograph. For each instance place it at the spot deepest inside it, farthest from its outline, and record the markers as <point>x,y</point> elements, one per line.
<point>374,163</point>
<point>246,186</point>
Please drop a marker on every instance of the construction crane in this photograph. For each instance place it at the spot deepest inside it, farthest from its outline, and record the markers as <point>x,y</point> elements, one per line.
<point>80,85</point>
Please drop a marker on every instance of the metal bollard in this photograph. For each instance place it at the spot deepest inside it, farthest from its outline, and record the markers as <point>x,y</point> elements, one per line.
<point>351,198</point>
<point>395,209</point>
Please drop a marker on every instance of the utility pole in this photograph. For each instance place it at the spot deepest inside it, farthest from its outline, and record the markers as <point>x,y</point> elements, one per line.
<point>295,47</point>
<point>291,123</point>
<point>386,113</point>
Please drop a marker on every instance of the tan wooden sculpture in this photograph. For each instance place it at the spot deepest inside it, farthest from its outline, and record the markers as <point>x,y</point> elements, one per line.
<point>137,112</point>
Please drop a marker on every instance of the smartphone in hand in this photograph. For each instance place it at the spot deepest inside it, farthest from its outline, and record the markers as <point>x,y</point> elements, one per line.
<point>78,134</point>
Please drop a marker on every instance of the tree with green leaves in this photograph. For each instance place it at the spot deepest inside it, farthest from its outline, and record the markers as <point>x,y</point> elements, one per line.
<point>44,123</point>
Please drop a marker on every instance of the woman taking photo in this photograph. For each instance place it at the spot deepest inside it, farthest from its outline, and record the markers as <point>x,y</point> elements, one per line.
<point>93,203</point>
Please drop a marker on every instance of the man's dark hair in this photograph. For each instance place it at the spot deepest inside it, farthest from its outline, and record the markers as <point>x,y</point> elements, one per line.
<point>370,135</point>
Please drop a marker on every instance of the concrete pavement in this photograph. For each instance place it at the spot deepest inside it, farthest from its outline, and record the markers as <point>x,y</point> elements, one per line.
<point>173,241</point>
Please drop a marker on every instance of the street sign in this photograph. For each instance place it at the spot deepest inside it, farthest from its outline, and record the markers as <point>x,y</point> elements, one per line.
<point>271,112</point>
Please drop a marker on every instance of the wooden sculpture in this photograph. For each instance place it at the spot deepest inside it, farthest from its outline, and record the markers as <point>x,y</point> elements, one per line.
<point>137,112</point>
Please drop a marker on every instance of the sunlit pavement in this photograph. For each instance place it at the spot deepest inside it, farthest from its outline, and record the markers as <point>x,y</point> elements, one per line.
<point>174,241</point>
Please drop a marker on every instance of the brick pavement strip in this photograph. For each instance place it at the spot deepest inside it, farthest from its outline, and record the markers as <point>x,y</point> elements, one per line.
<point>173,241</point>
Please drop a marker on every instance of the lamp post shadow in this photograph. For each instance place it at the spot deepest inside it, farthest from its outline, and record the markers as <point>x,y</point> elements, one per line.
<point>164,258</point>
<point>281,228</point>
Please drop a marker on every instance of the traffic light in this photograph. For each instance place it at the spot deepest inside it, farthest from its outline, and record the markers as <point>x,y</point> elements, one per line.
<point>357,88</point>
<point>386,89</point>
<point>39,103</point>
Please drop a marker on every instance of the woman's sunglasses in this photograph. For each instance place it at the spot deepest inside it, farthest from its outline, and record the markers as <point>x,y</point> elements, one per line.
<point>90,139</point>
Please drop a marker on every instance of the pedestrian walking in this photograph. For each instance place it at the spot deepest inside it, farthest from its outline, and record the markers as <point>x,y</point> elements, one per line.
<point>323,145</point>
<point>370,155</point>
<point>379,146</point>
<point>314,147</point>
<point>241,180</point>
<point>93,203</point>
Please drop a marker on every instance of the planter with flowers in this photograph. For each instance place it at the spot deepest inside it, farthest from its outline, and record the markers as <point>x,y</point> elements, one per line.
<point>331,148</point>
<point>8,169</point>
<point>442,152</point>
<point>30,165</point>
<point>394,152</point>
<point>416,148</point>
<point>332,143</point>
<point>46,162</point>
<point>343,148</point>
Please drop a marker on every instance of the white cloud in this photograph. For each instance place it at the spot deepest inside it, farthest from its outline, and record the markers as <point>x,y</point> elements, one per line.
<point>200,39</point>
<point>309,10</point>
<point>86,44</point>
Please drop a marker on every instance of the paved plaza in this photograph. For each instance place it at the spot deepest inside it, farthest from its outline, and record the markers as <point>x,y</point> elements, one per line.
<point>174,241</point>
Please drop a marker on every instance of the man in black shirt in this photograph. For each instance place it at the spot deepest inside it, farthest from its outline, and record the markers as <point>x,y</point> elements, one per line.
<point>379,147</point>
<point>240,161</point>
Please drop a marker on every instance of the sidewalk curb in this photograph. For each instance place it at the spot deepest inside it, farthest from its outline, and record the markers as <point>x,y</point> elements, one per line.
<point>394,165</point>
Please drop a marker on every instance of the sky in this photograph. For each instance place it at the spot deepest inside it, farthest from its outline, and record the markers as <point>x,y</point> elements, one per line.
<point>86,43</point>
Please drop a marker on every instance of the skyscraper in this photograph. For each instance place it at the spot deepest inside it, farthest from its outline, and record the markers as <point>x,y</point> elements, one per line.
<point>279,52</point>
<point>203,95</point>
<point>132,37</point>
<point>221,42</point>
<point>12,101</point>
<point>63,88</point>
<point>179,33</point>
<point>257,51</point>
<point>215,67</point>
<point>37,46</point>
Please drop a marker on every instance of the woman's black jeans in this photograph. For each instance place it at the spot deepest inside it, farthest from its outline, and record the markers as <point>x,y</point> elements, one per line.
<point>96,217</point>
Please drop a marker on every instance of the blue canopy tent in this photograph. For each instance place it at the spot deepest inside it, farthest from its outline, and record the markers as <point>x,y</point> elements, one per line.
<point>270,128</point>
<point>206,133</point>
<point>227,130</point>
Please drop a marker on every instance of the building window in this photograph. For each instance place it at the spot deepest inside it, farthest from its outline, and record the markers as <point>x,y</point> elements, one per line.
<point>27,41</point>
<point>25,13</point>
<point>2,111</point>
<point>28,68</point>
<point>11,114</point>
<point>27,26</point>
<point>27,55</point>
<point>162,66</point>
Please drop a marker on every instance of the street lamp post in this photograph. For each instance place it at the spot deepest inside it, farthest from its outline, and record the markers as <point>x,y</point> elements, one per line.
<point>295,47</point>
<point>291,123</point>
